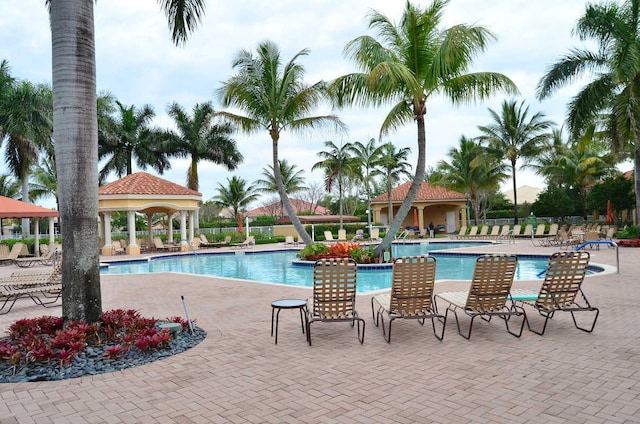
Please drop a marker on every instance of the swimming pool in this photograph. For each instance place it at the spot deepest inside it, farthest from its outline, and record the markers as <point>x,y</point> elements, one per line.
<point>281,267</point>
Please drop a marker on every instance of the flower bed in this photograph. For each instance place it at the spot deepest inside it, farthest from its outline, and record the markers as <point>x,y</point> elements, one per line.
<point>360,253</point>
<point>629,243</point>
<point>40,349</point>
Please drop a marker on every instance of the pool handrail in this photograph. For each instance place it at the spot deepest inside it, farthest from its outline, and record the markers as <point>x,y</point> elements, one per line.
<point>607,242</point>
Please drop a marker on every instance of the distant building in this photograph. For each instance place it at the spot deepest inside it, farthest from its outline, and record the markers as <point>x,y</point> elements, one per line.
<point>299,207</point>
<point>526,194</point>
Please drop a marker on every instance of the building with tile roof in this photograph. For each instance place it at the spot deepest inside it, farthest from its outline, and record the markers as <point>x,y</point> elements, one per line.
<point>444,208</point>
<point>147,194</point>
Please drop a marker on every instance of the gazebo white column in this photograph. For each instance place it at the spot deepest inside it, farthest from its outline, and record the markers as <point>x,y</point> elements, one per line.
<point>170,235</point>
<point>132,248</point>
<point>36,239</point>
<point>107,249</point>
<point>52,231</point>
<point>150,228</point>
<point>192,220</point>
<point>183,228</point>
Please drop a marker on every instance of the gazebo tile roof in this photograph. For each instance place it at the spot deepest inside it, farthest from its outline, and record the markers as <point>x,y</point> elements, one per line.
<point>427,192</point>
<point>145,184</point>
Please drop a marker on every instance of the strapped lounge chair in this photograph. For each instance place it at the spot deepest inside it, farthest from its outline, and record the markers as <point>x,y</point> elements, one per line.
<point>44,288</point>
<point>462,232</point>
<point>290,241</point>
<point>16,251</point>
<point>560,290</point>
<point>246,244</point>
<point>495,232</point>
<point>334,294</point>
<point>328,237</point>
<point>207,243</point>
<point>342,235</point>
<point>46,259</point>
<point>492,280</point>
<point>375,234</point>
<point>411,295</point>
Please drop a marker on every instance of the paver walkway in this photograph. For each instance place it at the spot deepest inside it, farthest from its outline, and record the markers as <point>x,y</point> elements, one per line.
<point>238,375</point>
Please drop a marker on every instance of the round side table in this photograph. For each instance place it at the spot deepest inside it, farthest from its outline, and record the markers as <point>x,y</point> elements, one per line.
<point>281,304</point>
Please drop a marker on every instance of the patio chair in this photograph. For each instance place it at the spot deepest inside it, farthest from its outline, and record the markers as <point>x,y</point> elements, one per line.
<point>328,237</point>
<point>540,229</point>
<point>290,241</point>
<point>44,288</point>
<point>246,244</point>
<point>46,259</point>
<point>375,234</point>
<point>484,232</point>
<point>117,248</point>
<point>516,230</point>
<point>411,295</point>
<point>462,232</point>
<point>334,294</point>
<point>561,290</point>
<point>14,253</point>
<point>528,231</point>
<point>342,235</point>
<point>489,292</point>
<point>473,232</point>
<point>495,232</point>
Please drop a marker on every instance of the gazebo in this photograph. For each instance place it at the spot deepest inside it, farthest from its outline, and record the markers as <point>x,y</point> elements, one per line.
<point>11,208</point>
<point>145,193</point>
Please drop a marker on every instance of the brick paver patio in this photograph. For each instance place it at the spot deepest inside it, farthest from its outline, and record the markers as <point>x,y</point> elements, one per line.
<point>238,375</point>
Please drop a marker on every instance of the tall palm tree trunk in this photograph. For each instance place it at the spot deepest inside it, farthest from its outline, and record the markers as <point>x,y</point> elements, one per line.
<point>515,193</point>
<point>306,239</point>
<point>407,203</point>
<point>636,167</point>
<point>25,198</point>
<point>76,152</point>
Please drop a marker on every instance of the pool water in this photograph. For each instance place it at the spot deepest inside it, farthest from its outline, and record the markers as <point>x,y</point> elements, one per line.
<point>279,267</point>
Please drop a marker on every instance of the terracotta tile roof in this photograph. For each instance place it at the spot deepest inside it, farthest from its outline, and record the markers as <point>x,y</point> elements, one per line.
<point>11,208</point>
<point>143,183</point>
<point>426,192</point>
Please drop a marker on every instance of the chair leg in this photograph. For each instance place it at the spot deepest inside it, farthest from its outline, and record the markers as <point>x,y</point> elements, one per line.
<point>468,336</point>
<point>387,336</point>
<point>524,320</point>
<point>360,336</point>
<point>433,324</point>
<point>594,320</point>
<point>547,316</point>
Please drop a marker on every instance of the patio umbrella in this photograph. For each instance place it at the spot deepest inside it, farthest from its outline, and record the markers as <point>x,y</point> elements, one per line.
<point>609,216</point>
<point>240,229</point>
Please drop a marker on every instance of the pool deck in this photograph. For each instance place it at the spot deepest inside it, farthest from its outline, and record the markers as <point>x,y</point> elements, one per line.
<point>238,374</point>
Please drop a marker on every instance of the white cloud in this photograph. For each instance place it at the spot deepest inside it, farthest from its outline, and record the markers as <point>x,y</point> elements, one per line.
<point>137,63</point>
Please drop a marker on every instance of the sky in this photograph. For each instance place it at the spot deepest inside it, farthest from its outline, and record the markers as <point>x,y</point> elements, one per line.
<point>138,64</point>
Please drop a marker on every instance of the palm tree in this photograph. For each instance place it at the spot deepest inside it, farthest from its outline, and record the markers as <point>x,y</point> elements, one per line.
<point>393,166</point>
<point>338,165</point>
<point>198,138</point>
<point>469,172</point>
<point>274,98</point>
<point>614,66</point>
<point>9,187</point>
<point>76,142</point>
<point>236,195</point>
<point>513,135</point>
<point>292,179</point>
<point>578,163</point>
<point>6,85</point>
<point>407,65</point>
<point>45,180</point>
<point>128,137</point>
<point>27,127</point>
<point>368,158</point>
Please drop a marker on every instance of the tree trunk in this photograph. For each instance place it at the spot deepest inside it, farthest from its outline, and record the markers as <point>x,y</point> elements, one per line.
<point>25,198</point>
<point>636,178</point>
<point>413,190</point>
<point>76,152</point>
<point>304,236</point>
<point>515,193</point>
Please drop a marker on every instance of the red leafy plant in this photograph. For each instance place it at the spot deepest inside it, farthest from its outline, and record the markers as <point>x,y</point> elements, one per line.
<point>629,243</point>
<point>44,339</point>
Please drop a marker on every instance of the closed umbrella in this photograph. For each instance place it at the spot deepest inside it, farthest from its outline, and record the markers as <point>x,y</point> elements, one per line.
<point>609,216</point>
